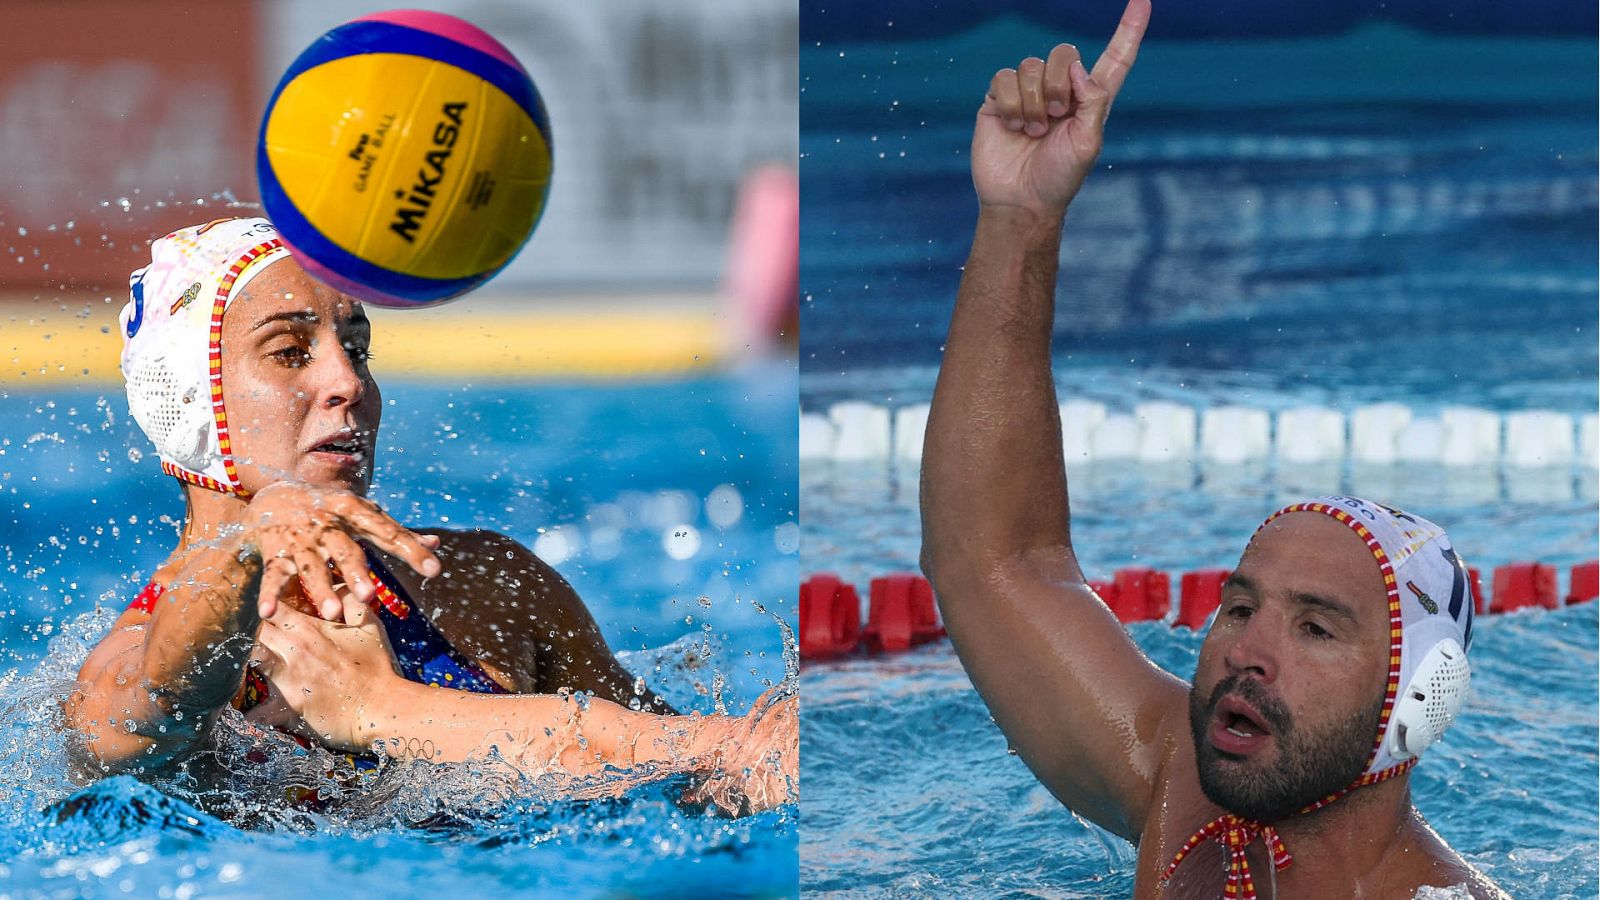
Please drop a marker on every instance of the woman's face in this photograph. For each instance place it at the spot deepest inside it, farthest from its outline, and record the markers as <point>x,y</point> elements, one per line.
<point>301,404</point>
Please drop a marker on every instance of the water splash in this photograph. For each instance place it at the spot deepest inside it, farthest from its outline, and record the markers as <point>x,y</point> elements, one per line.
<point>258,779</point>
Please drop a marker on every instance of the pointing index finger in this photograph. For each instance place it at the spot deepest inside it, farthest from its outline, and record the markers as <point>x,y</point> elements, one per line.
<point>1113,65</point>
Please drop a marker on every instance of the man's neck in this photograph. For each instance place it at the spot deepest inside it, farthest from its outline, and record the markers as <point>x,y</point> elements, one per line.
<point>1350,841</point>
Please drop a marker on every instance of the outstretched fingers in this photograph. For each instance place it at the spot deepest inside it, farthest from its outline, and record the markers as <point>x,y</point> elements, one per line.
<point>278,582</point>
<point>375,525</point>
<point>1112,67</point>
<point>351,562</point>
<point>317,581</point>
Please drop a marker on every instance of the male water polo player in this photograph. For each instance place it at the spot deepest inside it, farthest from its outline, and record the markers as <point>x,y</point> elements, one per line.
<point>1338,653</point>
<point>251,379</point>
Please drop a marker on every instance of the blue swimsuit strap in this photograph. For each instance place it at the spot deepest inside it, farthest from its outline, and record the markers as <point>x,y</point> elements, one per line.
<point>424,654</point>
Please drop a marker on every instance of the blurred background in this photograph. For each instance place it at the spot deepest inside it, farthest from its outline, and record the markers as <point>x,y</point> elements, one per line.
<point>1343,247</point>
<point>1397,172</point>
<point>620,398</point>
<point>119,127</point>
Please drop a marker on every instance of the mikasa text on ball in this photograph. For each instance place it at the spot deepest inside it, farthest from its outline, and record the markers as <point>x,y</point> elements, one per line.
<point>405,157</point>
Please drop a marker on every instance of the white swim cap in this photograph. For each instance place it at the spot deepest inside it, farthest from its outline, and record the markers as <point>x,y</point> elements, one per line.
<point>1430,625</point>
<point>172,342</point>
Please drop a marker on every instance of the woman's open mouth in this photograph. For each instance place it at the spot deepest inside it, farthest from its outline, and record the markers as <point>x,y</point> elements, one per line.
<point>348,450</point>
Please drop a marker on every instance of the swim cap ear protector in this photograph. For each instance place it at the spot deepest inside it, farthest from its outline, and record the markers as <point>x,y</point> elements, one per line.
<point>172,342</point>
<point>1430,625</point>
<point>1430,701</point>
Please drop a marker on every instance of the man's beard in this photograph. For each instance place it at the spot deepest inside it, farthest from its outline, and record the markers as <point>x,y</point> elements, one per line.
<point>1308,767</point>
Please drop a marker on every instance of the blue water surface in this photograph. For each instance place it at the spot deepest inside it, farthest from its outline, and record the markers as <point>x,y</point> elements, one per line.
<point>670,507</point>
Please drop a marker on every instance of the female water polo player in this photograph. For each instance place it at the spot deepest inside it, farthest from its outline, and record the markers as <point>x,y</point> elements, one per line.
<point>1339,651</point>
<point>251,379</point>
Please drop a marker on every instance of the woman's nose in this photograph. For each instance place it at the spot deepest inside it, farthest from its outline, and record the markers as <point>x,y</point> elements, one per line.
<point>343,383</point>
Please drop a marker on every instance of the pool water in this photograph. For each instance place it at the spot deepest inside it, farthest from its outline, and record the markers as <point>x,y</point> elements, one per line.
<point>669,505</point>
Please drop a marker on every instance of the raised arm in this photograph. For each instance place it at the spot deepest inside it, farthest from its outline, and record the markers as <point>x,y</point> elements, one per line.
<point>1088,713</point>
<point>152,688</point>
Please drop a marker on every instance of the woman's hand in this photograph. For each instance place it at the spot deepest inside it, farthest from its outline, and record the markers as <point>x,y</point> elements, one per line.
<point>325,676</point>
<point>301,532</point>
<point>1040,127</point>
<point>759,759</point>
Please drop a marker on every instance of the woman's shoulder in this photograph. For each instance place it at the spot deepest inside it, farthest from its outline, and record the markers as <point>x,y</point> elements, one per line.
<point>473,542</point>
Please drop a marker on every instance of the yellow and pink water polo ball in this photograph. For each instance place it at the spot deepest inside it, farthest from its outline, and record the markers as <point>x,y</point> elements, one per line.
<point>405,157</point>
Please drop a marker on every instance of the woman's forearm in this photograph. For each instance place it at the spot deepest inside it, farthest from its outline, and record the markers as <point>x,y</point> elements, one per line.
<point>197,644</point>
<point>203,629</point>
<point>149,692</point>
<point>537,732</point>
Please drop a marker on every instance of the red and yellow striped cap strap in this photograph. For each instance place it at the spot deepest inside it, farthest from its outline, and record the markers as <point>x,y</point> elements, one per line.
<point>1235,833</point>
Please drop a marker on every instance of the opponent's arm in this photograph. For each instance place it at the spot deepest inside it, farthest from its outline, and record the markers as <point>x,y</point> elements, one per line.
<point>1073,694</point>
<point>147,695</point>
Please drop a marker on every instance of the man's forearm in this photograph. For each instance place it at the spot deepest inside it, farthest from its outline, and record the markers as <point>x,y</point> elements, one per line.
<point>993,482</point>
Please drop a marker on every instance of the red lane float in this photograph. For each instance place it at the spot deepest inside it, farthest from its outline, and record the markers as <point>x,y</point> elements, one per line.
<point>1136,594</point>
<point>1142,594</point>
<point>1199,595</point>
<point>1521,585</point>
<point>900,614</point>
<point>830,617</point>
<point>901,611</point>
<point>1585,583</point>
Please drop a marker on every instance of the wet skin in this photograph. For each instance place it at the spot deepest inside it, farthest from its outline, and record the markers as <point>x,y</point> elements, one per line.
<point>295,379</point>
<point>301,401</point>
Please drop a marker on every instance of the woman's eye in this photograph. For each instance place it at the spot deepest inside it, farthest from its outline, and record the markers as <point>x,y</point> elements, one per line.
<point>294,357</point>
<point>358,353</point>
